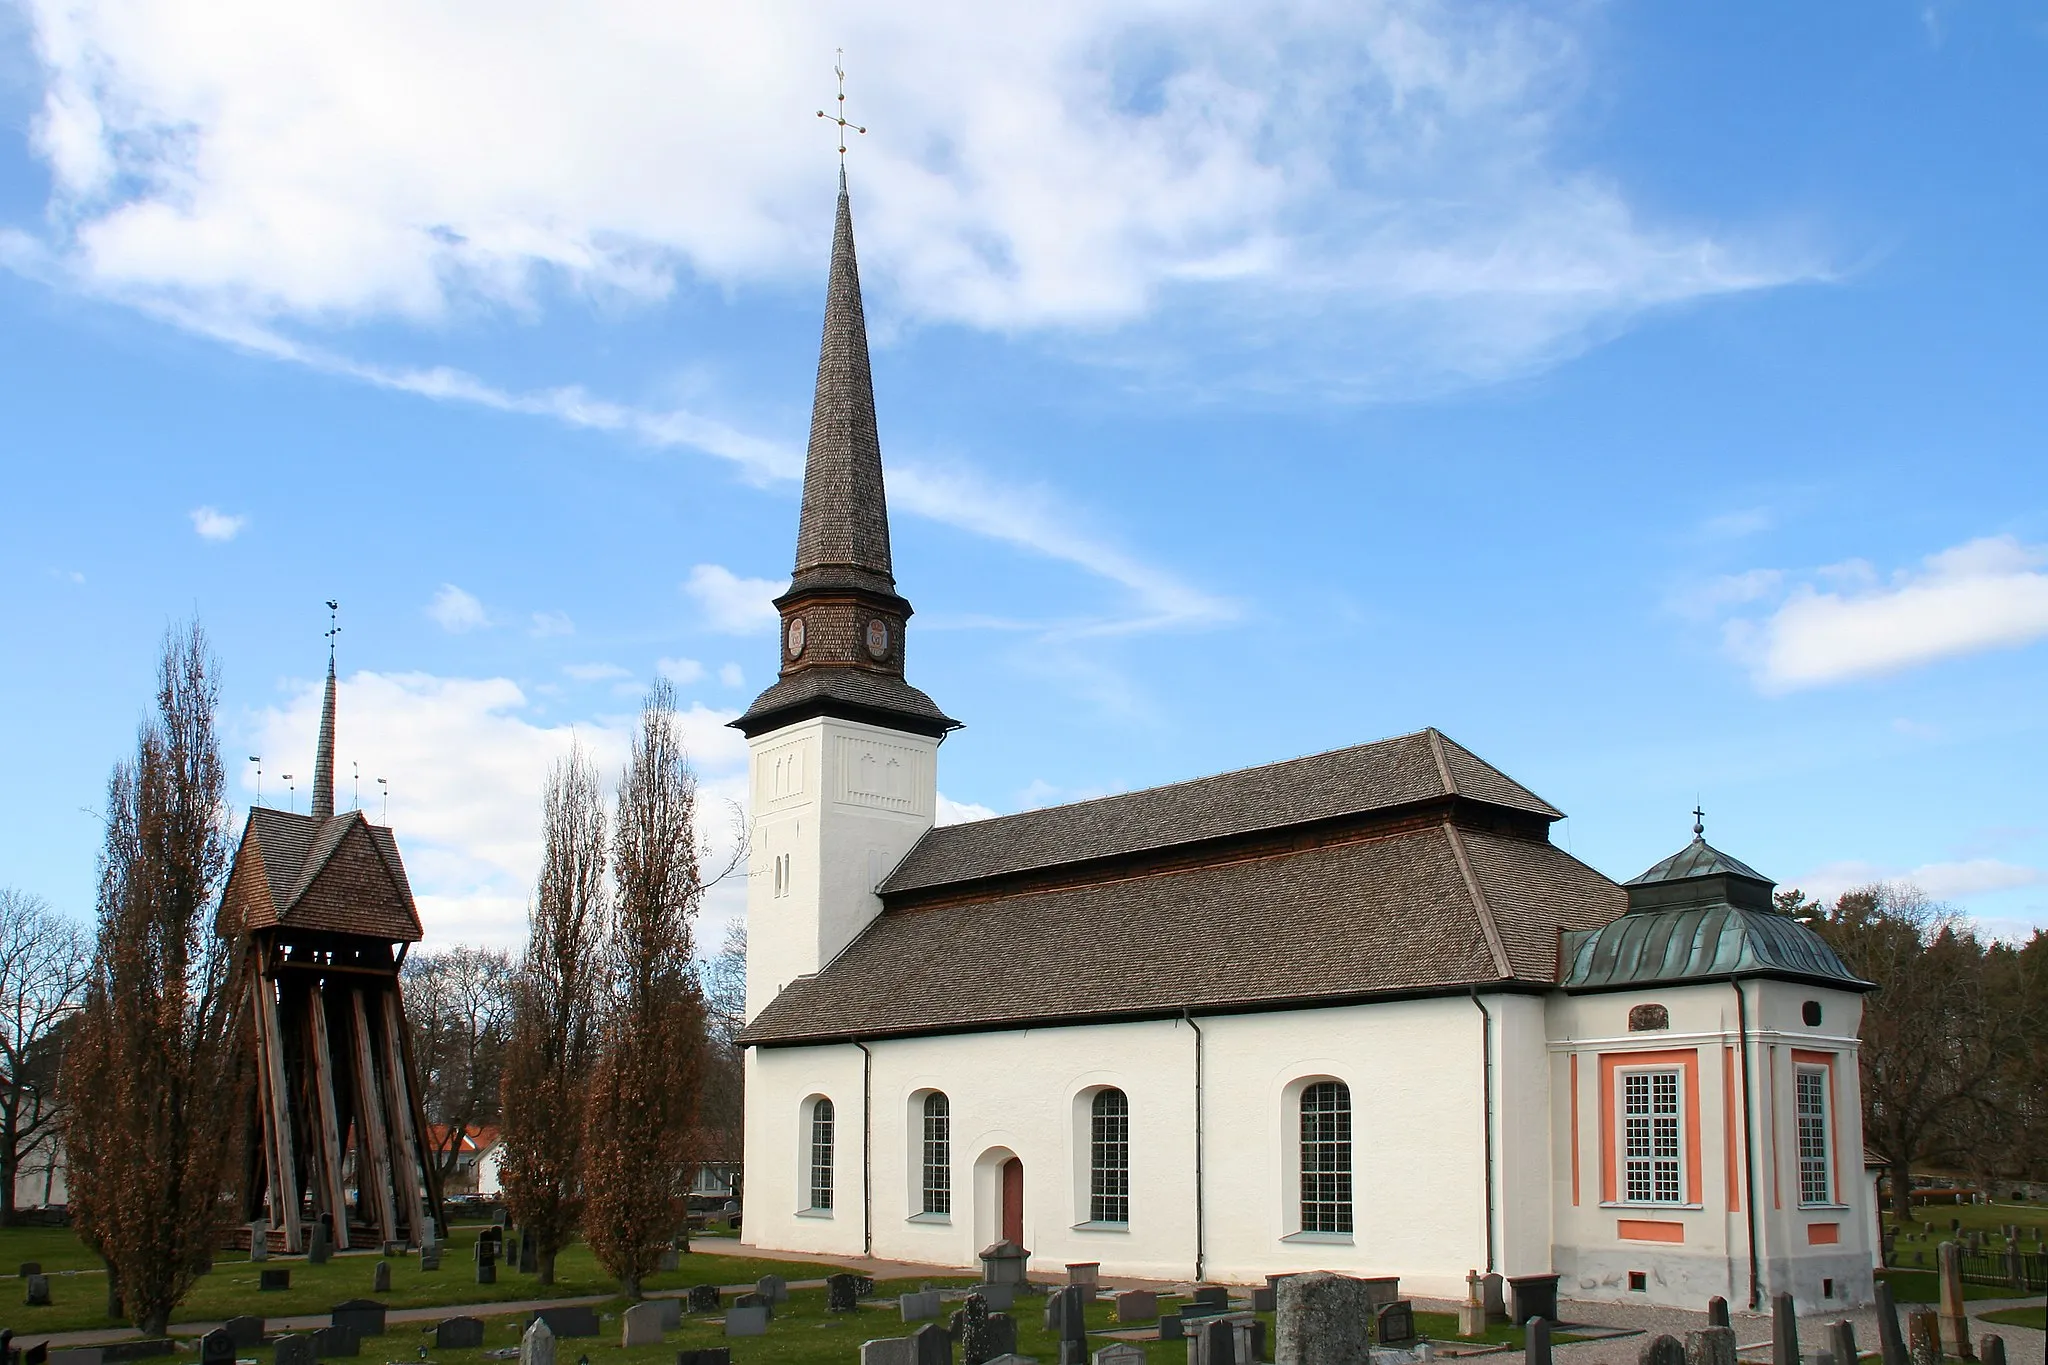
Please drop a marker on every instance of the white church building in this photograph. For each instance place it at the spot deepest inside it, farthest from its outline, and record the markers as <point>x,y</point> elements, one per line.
<point>1352,1012</point>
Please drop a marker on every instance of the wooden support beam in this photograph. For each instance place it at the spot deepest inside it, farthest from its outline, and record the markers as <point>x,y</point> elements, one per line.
<point>408,1068</point>
<point>408,1155</point>
<point>320,1073</point>
<point>373,1146</point>
<point>277,1117</point>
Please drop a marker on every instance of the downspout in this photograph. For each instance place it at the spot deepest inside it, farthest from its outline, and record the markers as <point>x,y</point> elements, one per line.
<point>1486,1088</point>
<point>1748,1142</point>
<point>1200,1245</point>
<point>867,1148</point>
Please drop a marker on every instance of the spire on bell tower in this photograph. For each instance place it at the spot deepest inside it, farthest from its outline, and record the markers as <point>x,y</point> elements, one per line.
<point>323,758</point>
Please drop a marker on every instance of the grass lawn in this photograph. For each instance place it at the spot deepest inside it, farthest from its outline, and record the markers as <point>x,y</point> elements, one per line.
<point>2036,1318</point>
<point>79,1300</point>
<point>1924,1286</point>
<point>1988,1219</point>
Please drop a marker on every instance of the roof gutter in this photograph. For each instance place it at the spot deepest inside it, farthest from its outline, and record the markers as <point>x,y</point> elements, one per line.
<point>1748,1142</point>
<point>867,1149</point>
<point>1486,1093</point>
<point>1201,1247</point>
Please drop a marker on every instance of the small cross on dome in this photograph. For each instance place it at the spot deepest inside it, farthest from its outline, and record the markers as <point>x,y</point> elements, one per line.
<point>1699,823</point>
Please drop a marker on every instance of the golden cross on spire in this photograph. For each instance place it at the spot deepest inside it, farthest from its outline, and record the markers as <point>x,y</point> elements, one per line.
<point>839,116</point>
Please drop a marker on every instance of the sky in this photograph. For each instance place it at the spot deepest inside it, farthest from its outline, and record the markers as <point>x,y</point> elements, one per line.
<point>1647,396</point>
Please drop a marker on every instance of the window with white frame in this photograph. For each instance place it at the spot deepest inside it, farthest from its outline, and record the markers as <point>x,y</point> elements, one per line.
<point>1109,1157</point>
<point>821,1153</point>
<point>1649,1138</point>
<point>1814,1182</point>
<point>938,1154</point>
<point>1326,1157</point>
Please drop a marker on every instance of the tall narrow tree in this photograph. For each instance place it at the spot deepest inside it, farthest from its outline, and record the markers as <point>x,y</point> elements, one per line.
<point>156,1067</point>
<point>553,1036</point>
<point>644,1094</point>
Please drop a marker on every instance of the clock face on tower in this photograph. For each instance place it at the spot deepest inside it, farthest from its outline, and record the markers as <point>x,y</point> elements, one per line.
<point>795,637</point>
<point>878,639</point>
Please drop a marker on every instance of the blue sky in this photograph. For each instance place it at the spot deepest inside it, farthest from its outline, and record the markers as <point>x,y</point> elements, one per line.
<point>1647,396</point>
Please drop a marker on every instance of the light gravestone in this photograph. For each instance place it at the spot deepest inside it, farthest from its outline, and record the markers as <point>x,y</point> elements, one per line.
<point>537,1346</point>
<point>1137,1305</point>
<point>1121,1353</point>
<point>1661,1349</point>
<point>919,1307</point>
<point>1472,1312</point>
<point>888,1351</point>
<point>1001,1297</point>
<point>1713,1346</point>
<point>1003,1263</point>
<point>1493,1293</point>
<point>380,1278</point>
<point>430,1256</point>
<point>1323,1319</point>
<point>1923,1337</point>
<point>1955,1318</point>
<point>773,1288</point>
<point>458,1334</point>
<point>752,1300</point>
<point>748,1321</point>
<point>640,1325</point>
<point>671,1313</point>
<point>259,1240</point>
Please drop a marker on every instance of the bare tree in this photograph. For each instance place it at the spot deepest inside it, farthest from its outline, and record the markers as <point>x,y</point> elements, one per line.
<point>43,961</point>
<point>644,1096</point>
<point>724,984</point>
<point>554,1015</point>
<point>459,1006</point>
<point>155,1074</point>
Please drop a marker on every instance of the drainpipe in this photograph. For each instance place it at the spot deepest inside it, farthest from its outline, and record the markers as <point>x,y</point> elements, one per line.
<point>867,1149</point>
<point>1748,1143</point>
<point>1200,1246</point>
<point>1486,1089</point>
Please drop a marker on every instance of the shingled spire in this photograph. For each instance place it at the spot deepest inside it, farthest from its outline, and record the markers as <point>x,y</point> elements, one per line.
<point>843,535</point>
<point>323,758</point>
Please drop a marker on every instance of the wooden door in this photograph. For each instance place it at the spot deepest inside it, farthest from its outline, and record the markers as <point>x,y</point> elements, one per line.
<point>1013,1201</point>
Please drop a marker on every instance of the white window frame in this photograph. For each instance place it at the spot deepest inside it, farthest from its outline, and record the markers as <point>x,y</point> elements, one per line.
<point>1650,1176</point>
<point>1814,1157</point>
<point>821,1135</point>
<point>1326,1203</point>
<point>1109,1160</point>
<point>936,1174</point>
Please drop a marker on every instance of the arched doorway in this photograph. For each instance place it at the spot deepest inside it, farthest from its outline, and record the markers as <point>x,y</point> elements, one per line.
<point>1013,1201</point>
<point>999,1197</point>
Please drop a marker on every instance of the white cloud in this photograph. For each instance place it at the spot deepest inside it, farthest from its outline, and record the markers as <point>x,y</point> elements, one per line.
<point>731,675</point>
<point>595,672</point>
<point>1701,601</point>
<point>1942,881</point>
<point>547,624</point>
<point>455,611</point>
<point>466,760</point>
<point>679,671</point>
<point>738,606</point>
<point>1985,594</point>
<point>951,812</point>
<point>1380,184</point>
<point>213,524</point>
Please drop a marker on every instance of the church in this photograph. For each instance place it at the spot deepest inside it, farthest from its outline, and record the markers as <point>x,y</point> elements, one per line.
<point>1350,1012</point>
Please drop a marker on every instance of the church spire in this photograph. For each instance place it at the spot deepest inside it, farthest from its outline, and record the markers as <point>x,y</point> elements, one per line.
<point>323,758</point>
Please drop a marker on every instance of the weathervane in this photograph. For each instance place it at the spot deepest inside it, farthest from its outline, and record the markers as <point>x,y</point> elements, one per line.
<point>333,626</point>
<point>839,70</point>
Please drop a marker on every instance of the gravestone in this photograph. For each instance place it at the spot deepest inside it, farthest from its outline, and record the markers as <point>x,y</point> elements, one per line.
<point>1955,1318</point>
<point>670,1260</point>
<point>38,1295</point>
<point>1472,1312</point>
<point>1085,1272</point>
<point>1536,1342</point>
<point>458,1334</point>
<point>1923,1336</point>
<point>1661,1350</point>
<point>1001,1297</point>
<point>863,1286</point>
<point>919,1307</point>
<point>1713,1346</point>
<point>1533,1296</point>
<point>749,1320</point>
<point>1842,1340</point>
<point>1172,1327</point>
<point>705,1355</point>
<point>773,1288</point>
<point>1992,1350</point>
<point>29,1268</point>
<point>1137,1305</point>
<point>1717,1312</point>
<point>537,1345</point>
<point>754,1300</point>
<point>671,1313</point>
<point>293,1349</point>
<point>380,1278</point>
<point>931,1344</point>
<point>1215,1294</point>
<point>1065,1318</point>
<point>244,1331</point>
<point>1121,1353</point>
<point>366,1316</point>
<point>1784,1331</point>
<point>1891,1344</point>
<point>704,1298</point>
<point>319,1247</point>
<point>572,1320</point>
<point>1323,1319</point>
<point>1493,1293</point>
<point>1263,1296</point>
<point>888,1351</point>
<point>1213,1342</point>
<point>839,1295</point>
<point>430,1256</point>
<point>1003,1263</point>
<point>217,1348</point>
<point>1394,1324</point>
<point>270,1280</point>
<point>78,1355</point>
<point>336,1341</point>
<point>529,1256</point>
<point>259,1240</point>
<point>486,1258</point>
<point>640,1325</point>
<point>39,1354</point>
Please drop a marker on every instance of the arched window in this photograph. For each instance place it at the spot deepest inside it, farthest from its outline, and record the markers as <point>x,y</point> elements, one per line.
<point>1326,1157</point>
<point>821,1153</point>
<point>938,1153</point>
<point>1109,1158</point>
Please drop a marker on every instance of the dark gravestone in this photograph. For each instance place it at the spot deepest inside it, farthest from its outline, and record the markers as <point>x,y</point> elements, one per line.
<point>840,1298</point>
<point>1661,1350</point>
<point>1536,1342</point>
<point>982,1334</point>
<point>458,1334</point>
<point>1713,1346</point>
<point>1717,1312</point>
<point>1991,1349</point>
<point>1784,1331</point>
<point>29,1268</point>
<point>774,1288</point>
<point>319,1249</point>
<point>365,1316</point>
<point>217,1348</point>
<point>293,1349</point>
<point>274,1279</point>
<point>754,1300</point>
<point>863,1286</point>
<point>1891,1343</point>
<point>574,1321</point>
<point>1065,1315</point>
<point>1003,1263</point>
<point>1214,1343</point>
<point>1842,1340</point>
<point>1533,1296</point>
<point>1211,1294</point>
<point>244,1331</point>
<point>38,1295</point>
<point>931,1344</point>
<point>529,1256</point>
<point>1395,1323</point>
<point>704,1298</point>
<point>39,1354</point>
<point>487,1272</point>
<point>430,1256</point>
<point>1263,1298</point>
<point>1172,1328</point>
<point>380,1278</point>
<point>711,1355</point>
<point>329,1342</point>
<point>139,1350</point>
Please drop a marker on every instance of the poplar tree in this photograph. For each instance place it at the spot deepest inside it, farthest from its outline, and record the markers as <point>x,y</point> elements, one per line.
<point>553,1036</point>
<point>156,1075</point>
<point>644,1092</point>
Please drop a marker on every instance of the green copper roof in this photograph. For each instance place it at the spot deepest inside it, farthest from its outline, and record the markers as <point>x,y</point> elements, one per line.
<point>1700,942</point>
<point>1697,859</point>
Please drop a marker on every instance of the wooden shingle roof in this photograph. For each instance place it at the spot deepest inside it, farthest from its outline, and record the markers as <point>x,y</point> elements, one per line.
<point>337,875</point>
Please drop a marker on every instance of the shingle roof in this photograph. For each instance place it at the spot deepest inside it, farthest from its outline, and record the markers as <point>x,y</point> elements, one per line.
<point>1698,942</point>
<point>1398,913</point>
<point>1697,859</point>
<point>340,875</point>
<point>1389,773</point>
<point>857,688</point>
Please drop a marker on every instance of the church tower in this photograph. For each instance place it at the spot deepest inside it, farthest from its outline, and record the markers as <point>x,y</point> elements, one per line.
<point>843,750</point>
